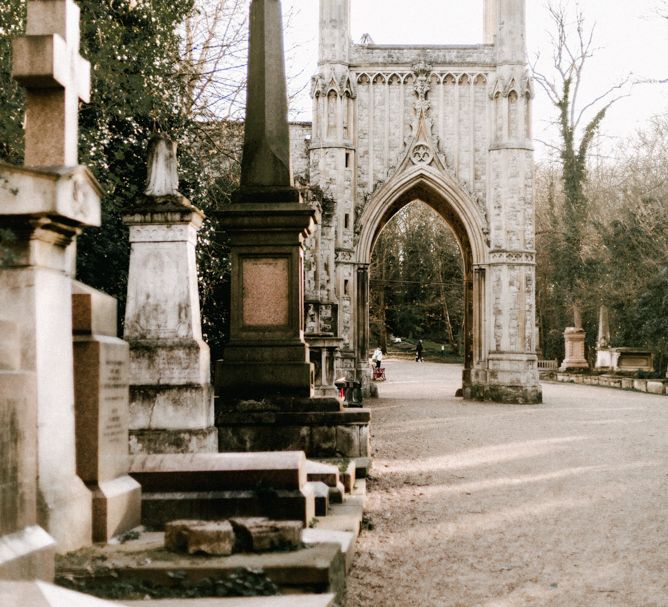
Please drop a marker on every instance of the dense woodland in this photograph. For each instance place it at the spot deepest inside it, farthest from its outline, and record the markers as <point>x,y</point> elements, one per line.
<point>178,67</point>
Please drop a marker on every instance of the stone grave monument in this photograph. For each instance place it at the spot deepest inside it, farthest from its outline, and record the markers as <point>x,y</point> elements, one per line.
<point>574,338</point>
<point>618,360</point>
<point>171,398</point>
<point>101,390</point>
<point>265,382</point>
<point>26,550</point>
<point>44,205</point>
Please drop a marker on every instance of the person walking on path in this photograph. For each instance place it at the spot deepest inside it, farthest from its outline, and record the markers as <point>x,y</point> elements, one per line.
<point>418,352</point>
<point>377,357</point>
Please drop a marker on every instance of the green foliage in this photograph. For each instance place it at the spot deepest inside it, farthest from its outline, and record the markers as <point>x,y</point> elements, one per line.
<point>12,23</point>
<point>417,279</point>
<point>133,50</point>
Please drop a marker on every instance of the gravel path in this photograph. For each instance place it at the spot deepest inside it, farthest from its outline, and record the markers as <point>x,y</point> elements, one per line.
<point>562,504</point>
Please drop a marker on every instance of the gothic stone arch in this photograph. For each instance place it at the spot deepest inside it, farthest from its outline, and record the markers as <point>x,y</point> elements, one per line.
<point>448,125</point>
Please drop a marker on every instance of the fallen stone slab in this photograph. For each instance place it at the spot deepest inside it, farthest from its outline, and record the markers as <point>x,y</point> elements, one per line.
<point>264,535</point>
<point>205,537</point>
<point>305,600</point>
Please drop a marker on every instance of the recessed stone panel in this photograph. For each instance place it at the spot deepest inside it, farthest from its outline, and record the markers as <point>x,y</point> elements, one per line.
<point>265,292</point>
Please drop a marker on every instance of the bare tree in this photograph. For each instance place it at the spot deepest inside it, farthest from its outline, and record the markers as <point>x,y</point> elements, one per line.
<point>213,59</point>
<point>578,123</point>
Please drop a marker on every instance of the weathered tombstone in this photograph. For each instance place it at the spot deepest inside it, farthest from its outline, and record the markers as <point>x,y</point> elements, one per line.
<point>266,359</point>
<point>171,398</point>
<point>26,550</point>
<point>101,388</point>
<point>44,206</point>
<point>574,339</point>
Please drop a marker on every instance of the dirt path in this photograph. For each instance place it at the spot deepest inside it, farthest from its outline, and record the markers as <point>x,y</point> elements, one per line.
<point>563,504</point>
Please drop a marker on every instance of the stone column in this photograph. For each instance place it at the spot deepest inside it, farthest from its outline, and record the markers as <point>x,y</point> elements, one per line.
<point>101,363</point>
<point>510,372</point>
<point>44,207</point>
<point>362,315</point>
<point>266,355</point>
<point>171,399</point>
<point>26,550</point>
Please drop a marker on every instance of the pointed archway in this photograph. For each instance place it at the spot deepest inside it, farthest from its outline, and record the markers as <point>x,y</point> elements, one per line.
<point>434,187</point>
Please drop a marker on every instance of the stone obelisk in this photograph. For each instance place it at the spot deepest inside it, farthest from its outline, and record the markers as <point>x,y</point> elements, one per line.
<point>266,355</point>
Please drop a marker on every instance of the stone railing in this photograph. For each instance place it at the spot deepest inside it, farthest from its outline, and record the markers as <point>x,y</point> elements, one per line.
<point>548,365</point>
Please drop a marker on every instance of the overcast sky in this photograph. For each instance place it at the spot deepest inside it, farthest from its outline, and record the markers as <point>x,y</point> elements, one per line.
<point>629,35</point>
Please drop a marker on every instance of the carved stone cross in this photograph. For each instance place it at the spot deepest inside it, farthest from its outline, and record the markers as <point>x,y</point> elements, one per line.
<point>47,63</point>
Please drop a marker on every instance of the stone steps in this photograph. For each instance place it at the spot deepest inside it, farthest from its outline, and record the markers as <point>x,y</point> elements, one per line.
<point>211,486</point>
<point>318,568</point>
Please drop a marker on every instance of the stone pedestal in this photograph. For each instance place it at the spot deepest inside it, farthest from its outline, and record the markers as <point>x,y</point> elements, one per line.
<point>575,350</point>
<point>171,400</point>
<point>266,354</point>
<point>324,352</point>
<point>101,397</point>
<point>44,209</point>
<point>26,550</point>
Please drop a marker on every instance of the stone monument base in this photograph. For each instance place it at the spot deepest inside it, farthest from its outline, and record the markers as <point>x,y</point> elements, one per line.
<point>320,427</point>
<point>174,441</point>
<point>116,507</point>
<point>624,360</point>
<point>27,554</point>
<point>509,378</point>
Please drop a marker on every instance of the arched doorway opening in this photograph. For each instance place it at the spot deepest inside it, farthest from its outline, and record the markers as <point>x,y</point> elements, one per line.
<point>466,220</point>
<point>416,286</point>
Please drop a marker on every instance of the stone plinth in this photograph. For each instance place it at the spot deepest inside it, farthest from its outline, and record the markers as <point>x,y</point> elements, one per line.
<point>324,352</point>
<point>45,209</point>
<point>574,339</point>
<point>320,427</point>
<point>266,354</point>
<point>26,550</point>
<point>101,398</point>
<point>171,399</point>
<point>509,378</point>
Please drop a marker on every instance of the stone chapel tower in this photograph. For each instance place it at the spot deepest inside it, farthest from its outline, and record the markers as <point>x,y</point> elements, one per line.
<point>447,125</point>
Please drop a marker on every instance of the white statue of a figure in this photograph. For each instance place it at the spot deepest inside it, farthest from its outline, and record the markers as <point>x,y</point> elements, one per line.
<point>163,178</point>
